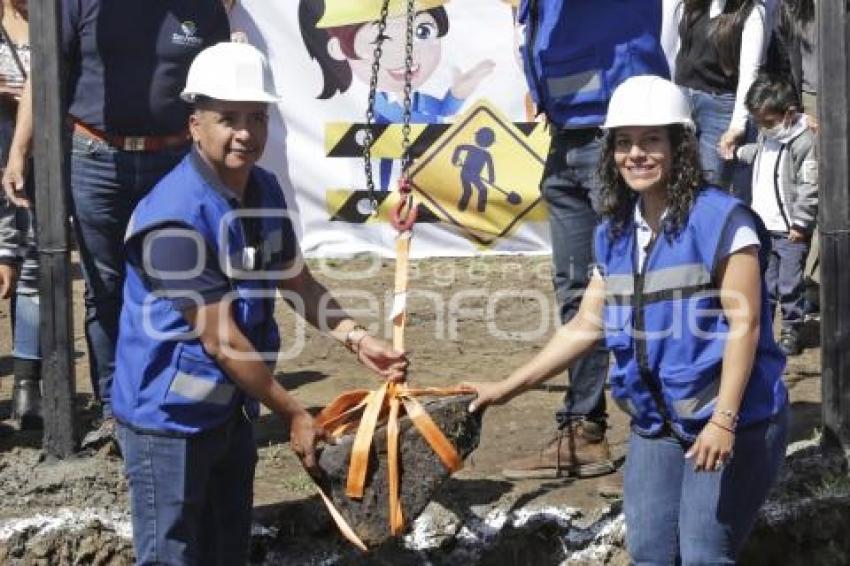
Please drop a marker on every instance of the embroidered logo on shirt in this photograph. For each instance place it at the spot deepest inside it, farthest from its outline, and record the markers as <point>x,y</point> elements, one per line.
<point>186,35</point>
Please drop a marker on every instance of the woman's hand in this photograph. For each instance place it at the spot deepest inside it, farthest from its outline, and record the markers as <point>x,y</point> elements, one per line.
<point>730,139</point>
<point>795,235</point>
<point>304,435</point>
<point>382,358</point>
<point>8,280</point>
<point>713,448</point>
<point>489,393</point>
<point>14,180</point>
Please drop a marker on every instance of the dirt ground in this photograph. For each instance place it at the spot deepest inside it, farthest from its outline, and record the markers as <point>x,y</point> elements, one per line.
<point>470,319</point>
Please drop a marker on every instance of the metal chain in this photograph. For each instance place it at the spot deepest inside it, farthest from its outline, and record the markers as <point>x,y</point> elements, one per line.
<point>369,138</point>
<point>408,89</point>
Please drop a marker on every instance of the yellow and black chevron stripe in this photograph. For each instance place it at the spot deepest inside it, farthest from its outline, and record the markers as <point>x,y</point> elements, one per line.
<point>348,206</point>
<point>345,139</point>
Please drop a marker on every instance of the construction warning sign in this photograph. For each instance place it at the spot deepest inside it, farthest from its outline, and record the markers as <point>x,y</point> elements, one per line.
<point>482,175</point>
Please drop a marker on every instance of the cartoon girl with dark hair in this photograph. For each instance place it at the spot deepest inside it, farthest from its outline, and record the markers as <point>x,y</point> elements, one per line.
<point>340,35</point>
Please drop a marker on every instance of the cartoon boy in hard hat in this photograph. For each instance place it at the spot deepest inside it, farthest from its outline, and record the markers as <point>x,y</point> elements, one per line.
<point>340,35</point>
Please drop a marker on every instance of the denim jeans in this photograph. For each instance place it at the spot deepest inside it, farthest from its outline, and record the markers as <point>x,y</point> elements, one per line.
<point>106,185</point>
<point>712,114</point>
<point>26,344</point>
<point>191,497</point>
<point>571,190</point>
<point>784,278</point>
<point>676,515</point>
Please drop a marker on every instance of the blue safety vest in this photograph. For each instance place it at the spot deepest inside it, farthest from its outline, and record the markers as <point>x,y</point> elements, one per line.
<point>164,379</point>
<point>666,330</point>
<point>576,52</point>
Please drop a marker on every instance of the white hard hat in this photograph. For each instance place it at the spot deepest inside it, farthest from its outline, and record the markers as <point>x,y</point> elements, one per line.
<point>648,100</point>
<point>230,71</point>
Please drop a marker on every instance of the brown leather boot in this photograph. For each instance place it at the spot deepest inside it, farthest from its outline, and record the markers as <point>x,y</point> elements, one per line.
<point>579,450</point>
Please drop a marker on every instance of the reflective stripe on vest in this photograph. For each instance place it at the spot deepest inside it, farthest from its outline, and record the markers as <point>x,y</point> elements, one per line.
<point>202,390</point>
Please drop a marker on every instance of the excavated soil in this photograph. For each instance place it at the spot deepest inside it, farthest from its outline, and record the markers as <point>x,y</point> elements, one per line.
<point>470,319</point>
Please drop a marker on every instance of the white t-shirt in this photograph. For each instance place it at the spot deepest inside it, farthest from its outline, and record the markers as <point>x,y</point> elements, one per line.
<point>739,233</point>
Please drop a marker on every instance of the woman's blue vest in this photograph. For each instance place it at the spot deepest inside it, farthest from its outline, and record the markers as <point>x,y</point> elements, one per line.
<point>164,379</point>
<point>666,329</point>
<point>576,52</point>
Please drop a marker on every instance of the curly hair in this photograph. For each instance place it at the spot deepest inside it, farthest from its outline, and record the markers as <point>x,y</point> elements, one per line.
<point>685,182</point>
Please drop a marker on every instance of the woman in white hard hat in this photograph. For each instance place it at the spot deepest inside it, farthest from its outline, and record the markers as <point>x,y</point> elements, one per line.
<point>678,298</point>
<point>208,250</point>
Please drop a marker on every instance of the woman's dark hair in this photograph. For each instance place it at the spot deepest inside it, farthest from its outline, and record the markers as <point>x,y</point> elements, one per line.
<point>685,183</point>
<point>21,7</point>
<point>725,29</point>
<point>336,75</point>
<point>771,93</point>
<point>794,16</point>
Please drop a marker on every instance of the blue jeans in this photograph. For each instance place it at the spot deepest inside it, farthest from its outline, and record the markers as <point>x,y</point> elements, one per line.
<point>712,115</point>
<point>26,344</point>
<point>784,278</point>
<point>191,497</point>
<point>677,515</point>
<point>106,185</point>
<point>571,188</point>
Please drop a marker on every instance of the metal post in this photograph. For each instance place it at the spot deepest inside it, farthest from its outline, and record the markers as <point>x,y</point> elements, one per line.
<point>834,220</point>
<point>60,436</point>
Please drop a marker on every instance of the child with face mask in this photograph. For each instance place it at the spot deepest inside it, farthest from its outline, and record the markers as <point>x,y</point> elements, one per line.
<point>785,194</point>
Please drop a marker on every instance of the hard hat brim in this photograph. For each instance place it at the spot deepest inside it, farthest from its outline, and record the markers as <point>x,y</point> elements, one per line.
<point>340,13</point>
<point>242,96</point>
<point>689,124</point>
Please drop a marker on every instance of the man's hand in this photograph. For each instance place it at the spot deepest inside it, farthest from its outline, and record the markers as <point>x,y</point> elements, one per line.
<point>382,358</point>
<point>303,437</point>
<point>8,279</point>
<point>13,180</point>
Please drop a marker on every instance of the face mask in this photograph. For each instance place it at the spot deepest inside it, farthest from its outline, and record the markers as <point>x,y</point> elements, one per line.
<point>777,132</point>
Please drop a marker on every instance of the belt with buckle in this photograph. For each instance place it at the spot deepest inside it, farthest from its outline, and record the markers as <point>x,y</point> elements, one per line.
<point>132,143</point>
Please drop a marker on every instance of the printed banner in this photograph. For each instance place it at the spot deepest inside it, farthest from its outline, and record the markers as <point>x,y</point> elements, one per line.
<point>478,152</point>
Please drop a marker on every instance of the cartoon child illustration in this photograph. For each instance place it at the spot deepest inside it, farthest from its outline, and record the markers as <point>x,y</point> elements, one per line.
<point>340,35</point>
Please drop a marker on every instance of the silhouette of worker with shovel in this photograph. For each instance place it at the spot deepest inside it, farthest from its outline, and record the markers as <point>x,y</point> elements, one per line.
<point>472,164</point>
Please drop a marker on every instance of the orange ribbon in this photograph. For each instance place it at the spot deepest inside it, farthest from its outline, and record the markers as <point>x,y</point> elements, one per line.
<point>365,410</point>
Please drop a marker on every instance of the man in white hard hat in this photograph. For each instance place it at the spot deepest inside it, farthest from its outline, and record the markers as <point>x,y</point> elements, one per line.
<point>207,250</point>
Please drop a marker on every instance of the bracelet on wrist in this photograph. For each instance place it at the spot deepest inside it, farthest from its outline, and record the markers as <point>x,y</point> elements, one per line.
<point>730,430</point>
<point>354,337</point>
<point>728,416</point>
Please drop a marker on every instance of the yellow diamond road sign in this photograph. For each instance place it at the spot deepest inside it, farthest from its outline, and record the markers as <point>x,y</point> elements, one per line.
<point>482,175</point>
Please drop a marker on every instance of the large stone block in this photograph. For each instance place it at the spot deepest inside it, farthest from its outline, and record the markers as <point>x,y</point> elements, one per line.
<point>421,470</point>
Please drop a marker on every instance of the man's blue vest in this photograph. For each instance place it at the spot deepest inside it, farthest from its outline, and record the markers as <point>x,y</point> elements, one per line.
<point>164,379</point>
<point>666,329</point>
<point>576,52</point>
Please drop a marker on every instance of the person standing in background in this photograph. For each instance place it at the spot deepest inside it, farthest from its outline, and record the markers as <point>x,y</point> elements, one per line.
<point>573,90</point>
<point>18,251</point>
<point>128,130</point>
<point>722,44</point>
